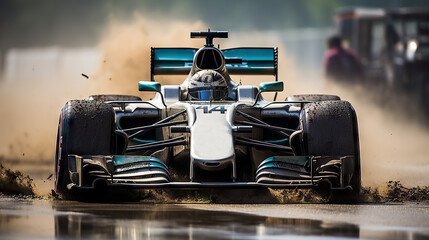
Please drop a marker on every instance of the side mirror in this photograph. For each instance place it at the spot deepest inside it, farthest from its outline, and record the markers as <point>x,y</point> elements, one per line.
<point>147,86</point>
<point>271,87</point>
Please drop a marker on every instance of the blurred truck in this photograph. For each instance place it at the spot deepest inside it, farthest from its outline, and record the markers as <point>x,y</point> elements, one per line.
<point>393,46</point>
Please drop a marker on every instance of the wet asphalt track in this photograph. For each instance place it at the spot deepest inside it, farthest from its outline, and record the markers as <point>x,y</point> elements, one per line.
<point>46,219</point>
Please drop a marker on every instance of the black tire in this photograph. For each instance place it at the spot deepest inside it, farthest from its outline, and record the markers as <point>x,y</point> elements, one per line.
<point>85,128</point>
<point>114,97</point>
<point>312,97</point>
<point>330,129</point>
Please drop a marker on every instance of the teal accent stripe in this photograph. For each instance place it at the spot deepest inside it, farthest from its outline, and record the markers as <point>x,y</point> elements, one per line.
<point>283,140</point>
<point>297,160</point>
<point>143,140</point>
<point>126,159</point>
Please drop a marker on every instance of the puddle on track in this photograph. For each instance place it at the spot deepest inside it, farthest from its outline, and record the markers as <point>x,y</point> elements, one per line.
<point>43,219</point>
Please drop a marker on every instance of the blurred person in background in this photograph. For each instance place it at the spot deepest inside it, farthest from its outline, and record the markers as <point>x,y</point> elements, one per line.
<point>341,63</point>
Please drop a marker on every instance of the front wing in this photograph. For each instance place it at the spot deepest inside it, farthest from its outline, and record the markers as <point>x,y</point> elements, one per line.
<point>145,172</point>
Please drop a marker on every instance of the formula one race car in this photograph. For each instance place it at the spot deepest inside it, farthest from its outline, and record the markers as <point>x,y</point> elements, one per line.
<point>208,132</point>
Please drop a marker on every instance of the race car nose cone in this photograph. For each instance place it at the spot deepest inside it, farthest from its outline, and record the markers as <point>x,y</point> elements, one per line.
<point>212,145</point>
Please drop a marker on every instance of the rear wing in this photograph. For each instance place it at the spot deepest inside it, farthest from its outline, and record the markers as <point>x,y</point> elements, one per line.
<point>178,61</point>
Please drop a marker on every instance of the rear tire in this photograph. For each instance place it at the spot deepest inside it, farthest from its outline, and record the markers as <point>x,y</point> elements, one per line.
<point>330,129</point>
<point>85,128</point>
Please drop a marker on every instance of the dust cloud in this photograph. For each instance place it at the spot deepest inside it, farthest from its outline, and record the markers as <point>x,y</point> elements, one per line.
<point>392,147</point>
<point>126,51</point>
<point>394,143</point>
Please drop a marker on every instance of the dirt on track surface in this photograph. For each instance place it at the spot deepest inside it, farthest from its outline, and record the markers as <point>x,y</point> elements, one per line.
<point>14,182</point>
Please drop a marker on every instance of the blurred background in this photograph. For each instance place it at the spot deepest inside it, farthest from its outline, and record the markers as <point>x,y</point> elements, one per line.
<point>53,51</point>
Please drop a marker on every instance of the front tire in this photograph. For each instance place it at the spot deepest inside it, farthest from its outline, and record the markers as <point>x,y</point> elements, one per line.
<point>330,129</point>
<point>85,128</point>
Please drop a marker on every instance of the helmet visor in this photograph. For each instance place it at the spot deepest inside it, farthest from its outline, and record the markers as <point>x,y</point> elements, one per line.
<point>207,93</point>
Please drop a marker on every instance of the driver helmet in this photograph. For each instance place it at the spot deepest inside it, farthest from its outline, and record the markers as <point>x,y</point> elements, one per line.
<point>207,85</point>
